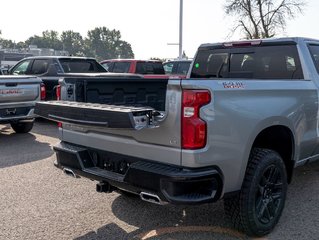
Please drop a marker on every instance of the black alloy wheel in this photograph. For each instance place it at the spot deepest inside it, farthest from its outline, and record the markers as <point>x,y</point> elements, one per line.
<point>269,195</point>
<point>257,208</point>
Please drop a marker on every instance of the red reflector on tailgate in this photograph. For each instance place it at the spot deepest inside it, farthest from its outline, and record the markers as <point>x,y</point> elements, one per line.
<point>43,93</point>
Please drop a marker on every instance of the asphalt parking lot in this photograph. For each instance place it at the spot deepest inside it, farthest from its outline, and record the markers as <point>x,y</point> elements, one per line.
<point>37,201</point>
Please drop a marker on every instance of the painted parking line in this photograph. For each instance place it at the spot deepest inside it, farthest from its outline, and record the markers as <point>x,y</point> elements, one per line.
<point>192,229</point>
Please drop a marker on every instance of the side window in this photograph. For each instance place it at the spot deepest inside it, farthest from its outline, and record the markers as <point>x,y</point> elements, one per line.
<point>264,62</point>
<point>183,67</point>
<point>39,66</point>
<point>56,67</point>
<point>107,66</point>
<point>21,68</point>
<point>168,67</point>
<point>281,62</point>
<point>121,67</point>
<point>314,50</point>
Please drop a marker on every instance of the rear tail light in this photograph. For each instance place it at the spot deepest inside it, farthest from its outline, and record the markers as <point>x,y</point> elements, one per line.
<point>42,90</point>
<point>194,129</point>
<point>58,92</point>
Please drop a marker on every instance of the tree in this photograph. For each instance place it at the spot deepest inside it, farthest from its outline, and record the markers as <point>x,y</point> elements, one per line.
<point>262,18</point>
<point>4,43</point>
<point>49,39</point>
<point>100,43</point>
<point>103,43</point>
<point>73,43</point>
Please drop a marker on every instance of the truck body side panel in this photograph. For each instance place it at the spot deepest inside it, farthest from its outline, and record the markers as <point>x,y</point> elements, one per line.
<point>237,115</point>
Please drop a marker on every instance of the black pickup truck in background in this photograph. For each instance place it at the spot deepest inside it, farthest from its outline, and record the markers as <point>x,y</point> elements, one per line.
<point>51,68</point>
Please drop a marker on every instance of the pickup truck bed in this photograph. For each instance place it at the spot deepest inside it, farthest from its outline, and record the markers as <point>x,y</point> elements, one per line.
<point>234,129</point>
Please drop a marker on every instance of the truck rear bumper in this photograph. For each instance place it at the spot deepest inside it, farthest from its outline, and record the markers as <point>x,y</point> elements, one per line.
<point>16,114</point>
<point>171,184</point>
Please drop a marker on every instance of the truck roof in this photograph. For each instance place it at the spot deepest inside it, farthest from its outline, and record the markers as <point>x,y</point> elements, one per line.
<point>59,57</point>
<point>264,40</point>
<point>128,60</point>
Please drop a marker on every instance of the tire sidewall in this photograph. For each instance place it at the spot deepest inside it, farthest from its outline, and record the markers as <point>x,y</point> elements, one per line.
<point>251,187</point>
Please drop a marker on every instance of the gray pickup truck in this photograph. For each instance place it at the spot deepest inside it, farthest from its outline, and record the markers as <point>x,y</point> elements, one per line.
<point>18,95</point>
<point>235,129</point>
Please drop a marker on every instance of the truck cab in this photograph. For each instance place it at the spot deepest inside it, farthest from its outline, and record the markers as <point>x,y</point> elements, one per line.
<point>51,68</point>
<point>147,68</point>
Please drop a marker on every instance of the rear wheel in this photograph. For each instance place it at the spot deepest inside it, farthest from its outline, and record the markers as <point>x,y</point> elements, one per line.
<point>22,127</point>
<point>257,208</point>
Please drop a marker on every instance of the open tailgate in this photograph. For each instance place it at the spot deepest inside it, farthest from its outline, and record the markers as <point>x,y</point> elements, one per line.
<point>93,114</point>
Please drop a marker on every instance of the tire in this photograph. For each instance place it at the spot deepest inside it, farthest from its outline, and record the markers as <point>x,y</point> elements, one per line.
<point>22,127</point>
<point>257,208</point>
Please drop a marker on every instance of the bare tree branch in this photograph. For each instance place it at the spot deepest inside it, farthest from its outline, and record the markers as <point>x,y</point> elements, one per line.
<point>263,18</point>
<point>248,33</point>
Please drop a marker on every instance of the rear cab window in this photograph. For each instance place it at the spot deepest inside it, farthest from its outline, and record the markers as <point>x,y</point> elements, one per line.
<point>81,66</point>
<point>250,62</point>
<point>149,68</point>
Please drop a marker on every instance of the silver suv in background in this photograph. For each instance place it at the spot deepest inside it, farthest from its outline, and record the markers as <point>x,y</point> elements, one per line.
<point>177,67</point>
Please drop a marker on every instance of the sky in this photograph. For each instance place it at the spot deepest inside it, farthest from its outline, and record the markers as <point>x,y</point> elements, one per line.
<point>148,25</point>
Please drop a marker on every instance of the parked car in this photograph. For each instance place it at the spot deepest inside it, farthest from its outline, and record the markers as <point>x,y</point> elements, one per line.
<point>18,95</point>
<point>51,68</point>
<point>148,68</point>
<point>177,67</point>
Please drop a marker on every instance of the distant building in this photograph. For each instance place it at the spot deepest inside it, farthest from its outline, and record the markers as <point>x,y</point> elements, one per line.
<point>33,49</point>
<point>9,57</point>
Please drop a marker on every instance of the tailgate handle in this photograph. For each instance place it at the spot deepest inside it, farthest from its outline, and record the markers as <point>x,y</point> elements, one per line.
<point>77,121</point>
<point>11,84</point>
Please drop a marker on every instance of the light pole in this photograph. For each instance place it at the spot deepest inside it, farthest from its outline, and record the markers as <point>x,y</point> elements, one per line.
<point>181,30</point>
<point>180,43</point>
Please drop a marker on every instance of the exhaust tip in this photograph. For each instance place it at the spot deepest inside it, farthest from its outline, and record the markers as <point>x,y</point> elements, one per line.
<point>152,198</point>
<point>69,172</point>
